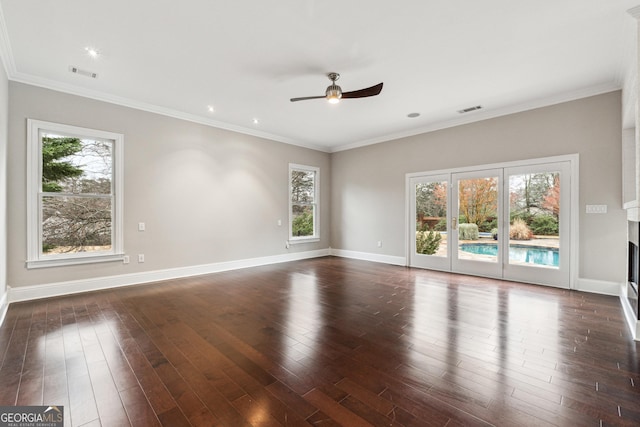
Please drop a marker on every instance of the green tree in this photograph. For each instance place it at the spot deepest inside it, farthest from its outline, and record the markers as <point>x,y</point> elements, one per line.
<point>54,169</point>
<point>303,224</point>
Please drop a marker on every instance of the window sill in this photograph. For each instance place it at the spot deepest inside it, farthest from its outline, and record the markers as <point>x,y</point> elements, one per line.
<point>63,262</point>
<point>303,240</point>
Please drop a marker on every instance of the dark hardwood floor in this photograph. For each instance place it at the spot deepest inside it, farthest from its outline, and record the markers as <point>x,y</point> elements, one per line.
<point>325,342</point>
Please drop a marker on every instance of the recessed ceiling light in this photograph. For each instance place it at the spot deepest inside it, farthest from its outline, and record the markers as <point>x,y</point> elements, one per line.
<point>92,52</point>
<point>413,115</point>
<point>210,108</point>
<point>256,121</point>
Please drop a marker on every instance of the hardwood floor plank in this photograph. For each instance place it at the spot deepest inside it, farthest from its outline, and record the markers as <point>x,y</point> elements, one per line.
<point>328,342</point>
<point>334,410</point>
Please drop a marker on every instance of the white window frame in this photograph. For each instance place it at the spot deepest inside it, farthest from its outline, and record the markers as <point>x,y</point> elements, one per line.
<point>35,257</point>
<point>316,205</point>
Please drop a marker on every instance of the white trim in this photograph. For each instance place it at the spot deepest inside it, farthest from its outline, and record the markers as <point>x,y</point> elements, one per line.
<point>294,240</point>
<point>632,322</point>
<point>301,240</point>
<point>4,305</point>
<point>26,293</point>
<point>510,164</point>
<point>151,108</point>
<point>572,159</point>
<point>486,115</point>
<point>6,53</point>
<point>34,172</point>
<point>367,256</point>
<point>8,60</point>
<point>83,259</point>
<point>602,287</point>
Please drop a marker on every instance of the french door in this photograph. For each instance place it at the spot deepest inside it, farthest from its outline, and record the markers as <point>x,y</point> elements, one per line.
<point>477,197</point>
<point>509,222</point>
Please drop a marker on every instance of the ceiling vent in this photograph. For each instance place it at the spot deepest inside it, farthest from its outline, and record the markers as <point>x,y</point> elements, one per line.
<point>82,72</point>
<point>470,109</point>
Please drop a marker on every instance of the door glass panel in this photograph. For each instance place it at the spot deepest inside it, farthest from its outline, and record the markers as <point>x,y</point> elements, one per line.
<point>534,218</point>
<point>431,218</point>
<point>478,219</point>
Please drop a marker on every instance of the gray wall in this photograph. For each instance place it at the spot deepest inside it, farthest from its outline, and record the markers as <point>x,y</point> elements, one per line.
<point>4,114</point>
<point>209,195</point>
<point>368,199</point>
<point>206,195</point>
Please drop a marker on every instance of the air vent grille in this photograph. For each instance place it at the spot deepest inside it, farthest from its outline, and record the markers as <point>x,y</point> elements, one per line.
<point>470,109</point>
<point>82,72</point>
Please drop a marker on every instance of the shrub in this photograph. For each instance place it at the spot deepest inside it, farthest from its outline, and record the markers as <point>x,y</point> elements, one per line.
<point>441,225</point>
<point>519,230</point>
<point>427,242</point>
<point>468,232</point>
<point>523,215</point>
<point>545,225</point>
<point>487,226</point>
<point>303,225</point>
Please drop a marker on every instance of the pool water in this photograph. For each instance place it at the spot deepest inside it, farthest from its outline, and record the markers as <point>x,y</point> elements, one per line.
<point>519,253</point>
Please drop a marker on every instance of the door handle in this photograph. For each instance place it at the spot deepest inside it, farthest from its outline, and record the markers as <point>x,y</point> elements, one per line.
<point>454,223</point>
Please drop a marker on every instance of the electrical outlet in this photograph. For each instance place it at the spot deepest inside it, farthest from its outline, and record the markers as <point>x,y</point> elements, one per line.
<point>125,259</point>
<point>142,226</point>
<point>379,243</point>
<point>596,209</point>
<point>140,258</point>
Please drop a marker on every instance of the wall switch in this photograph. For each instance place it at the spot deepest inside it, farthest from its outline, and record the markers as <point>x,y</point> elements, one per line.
<point>596,209</point>
<point>125,259</point>
<point>140,258</point>
<point>279,223</point>
<point>379,243</point>
<point>141,226</point>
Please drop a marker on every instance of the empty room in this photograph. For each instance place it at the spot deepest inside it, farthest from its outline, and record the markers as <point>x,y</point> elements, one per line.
<point>278,213</point>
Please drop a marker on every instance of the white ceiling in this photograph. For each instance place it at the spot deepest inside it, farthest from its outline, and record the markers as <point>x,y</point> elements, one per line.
<point>247,58</point>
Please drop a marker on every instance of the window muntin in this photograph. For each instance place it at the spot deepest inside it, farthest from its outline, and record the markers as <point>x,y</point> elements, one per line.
<point>75,197</point>
<point>303,203</point>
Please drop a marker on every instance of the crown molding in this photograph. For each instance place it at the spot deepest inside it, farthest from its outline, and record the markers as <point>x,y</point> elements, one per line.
<point>138,105</point>
<point>7,58</point>
<point>489,114</point>
<point>6,54</point>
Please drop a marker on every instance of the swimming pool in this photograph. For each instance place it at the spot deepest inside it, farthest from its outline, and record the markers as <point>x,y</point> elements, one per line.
<point>518,253</point>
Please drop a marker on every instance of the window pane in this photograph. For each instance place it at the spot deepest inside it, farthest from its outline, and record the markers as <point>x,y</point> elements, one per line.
<point>534,213</point>
<point>478,219</point>
<point>302,186</point>
<point>75,165</point>
<point>431,218</point>
<point>75,224</point>
<point>302,220</point>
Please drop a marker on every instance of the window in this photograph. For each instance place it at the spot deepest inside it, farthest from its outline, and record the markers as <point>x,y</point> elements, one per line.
<point>303,203</point>
<point>74,189</point>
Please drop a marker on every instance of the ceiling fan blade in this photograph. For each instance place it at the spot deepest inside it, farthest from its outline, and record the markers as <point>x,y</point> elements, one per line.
<point>363,93</point>
<point>304,98</point>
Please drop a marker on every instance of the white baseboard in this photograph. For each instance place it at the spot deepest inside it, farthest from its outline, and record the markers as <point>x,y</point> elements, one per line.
<point>598,286</point>
<point>632,322</point>
<point>26,293</point>
<point>4,305</point>
<point>367,256</point>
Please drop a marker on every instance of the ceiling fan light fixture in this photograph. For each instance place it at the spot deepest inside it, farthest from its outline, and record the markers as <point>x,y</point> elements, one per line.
<point>333,93</point>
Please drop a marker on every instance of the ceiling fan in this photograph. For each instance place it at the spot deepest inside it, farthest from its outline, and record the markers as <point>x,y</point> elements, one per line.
<point>334,93</point>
